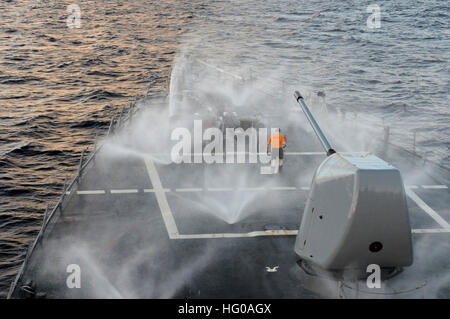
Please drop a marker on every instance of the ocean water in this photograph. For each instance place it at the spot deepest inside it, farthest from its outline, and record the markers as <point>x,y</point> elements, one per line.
<point>395,74</point>
<point>60,86</point>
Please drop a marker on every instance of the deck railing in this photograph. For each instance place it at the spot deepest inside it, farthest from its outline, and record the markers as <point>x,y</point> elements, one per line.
<point>70,189</point>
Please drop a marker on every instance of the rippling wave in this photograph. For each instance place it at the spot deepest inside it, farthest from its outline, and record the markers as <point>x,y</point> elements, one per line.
<point>60,86</point>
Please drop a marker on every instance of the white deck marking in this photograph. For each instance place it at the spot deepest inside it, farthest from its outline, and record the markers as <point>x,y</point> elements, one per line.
<point>124,191</point>
<point>240,235</point>
<point>151,190</point>
<point>173,231</point>
<point>427,209</point>
<point>161,198</point>
<point>189,189</point>
<point>94,192</point>
<point>435,186</point>
<point>283,188</point>
<point>430,231</point>
<point>226,189</point>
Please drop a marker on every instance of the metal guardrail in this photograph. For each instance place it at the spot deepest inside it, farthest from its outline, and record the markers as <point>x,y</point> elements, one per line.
<point>412,147</point>
<point>47,221</point>
<point>398,137</point>
<point>82,166</point>
<point>388,130</point>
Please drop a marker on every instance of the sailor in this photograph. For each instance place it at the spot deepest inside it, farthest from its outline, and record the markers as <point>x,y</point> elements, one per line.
<point>278,142</point>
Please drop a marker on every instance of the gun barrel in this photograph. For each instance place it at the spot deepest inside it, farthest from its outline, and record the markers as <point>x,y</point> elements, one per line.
<point>323,140</point>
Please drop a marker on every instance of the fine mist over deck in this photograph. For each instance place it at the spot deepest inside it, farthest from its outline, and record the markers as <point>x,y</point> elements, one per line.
<point>140,226</point>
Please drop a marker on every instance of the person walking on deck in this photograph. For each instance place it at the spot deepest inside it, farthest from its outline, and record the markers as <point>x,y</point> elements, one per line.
<point>278,142</point>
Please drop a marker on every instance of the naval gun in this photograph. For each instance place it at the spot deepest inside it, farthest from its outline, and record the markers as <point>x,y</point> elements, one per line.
<point>356,212</point>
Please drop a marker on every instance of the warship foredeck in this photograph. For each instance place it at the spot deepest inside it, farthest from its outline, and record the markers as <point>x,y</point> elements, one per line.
<point>143,227</point>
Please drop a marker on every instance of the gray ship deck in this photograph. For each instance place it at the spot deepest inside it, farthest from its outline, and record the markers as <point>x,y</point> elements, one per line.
<point>142,228</point>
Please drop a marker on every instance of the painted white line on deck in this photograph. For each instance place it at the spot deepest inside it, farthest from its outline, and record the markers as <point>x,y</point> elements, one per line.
<point>427,208</point>
<point>151,190</point>
<point>189,189</point>
<point>305,188</point>
<point>435,186</point>
<point>240,235</point>
<point>94,192</point>
<point>411,186</point>
<point>161,198</point>
<point>230,189</point>
<point>283,188</point>
<point>124,191</point>
<point>430,231</point>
